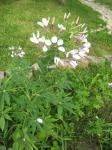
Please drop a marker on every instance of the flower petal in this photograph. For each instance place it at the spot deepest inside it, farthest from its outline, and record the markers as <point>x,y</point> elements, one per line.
<point>62,49</point>
<point>54,39</point>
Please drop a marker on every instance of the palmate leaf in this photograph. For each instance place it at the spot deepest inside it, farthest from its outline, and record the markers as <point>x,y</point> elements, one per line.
<point>7,98</point>
<point>7,117</point>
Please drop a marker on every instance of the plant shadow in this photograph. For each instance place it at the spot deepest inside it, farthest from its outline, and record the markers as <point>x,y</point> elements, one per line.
<point>5,2</point>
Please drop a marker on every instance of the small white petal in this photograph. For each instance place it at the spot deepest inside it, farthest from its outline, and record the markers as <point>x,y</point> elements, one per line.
<point>110,85</point>
<point>60,26</point>
<point>62,49</point>
<point>42,39</point>
<point>40,24</point>
<point>45,22</point>
<point>87,45</point>
<point>73,64</point>
<point>34,40</point>
<point>48,42</point>
<point>19,48</point>
<point>76,56</point>
<point>12,55</point>
<point>85,40</point>
<point>74,51</point>
<point>57,61</point>
<point>86,50</point>
<point>82,53</point>
<point>23,53</point>
<point>45,49</point>
<point>60,42</point>
<point>20,55</point>
<point>54,39</point>
<point>39,120</point>
<point>11,48</point>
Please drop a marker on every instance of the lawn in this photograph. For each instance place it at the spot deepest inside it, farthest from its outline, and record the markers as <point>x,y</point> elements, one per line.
<point>18,19</point>
<point>106,2</point>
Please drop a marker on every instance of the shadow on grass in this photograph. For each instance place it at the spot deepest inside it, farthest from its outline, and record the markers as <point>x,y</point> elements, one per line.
<point>7,1</point>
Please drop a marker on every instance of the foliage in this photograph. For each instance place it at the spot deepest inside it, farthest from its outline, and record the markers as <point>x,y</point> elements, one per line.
<point>55,108</point>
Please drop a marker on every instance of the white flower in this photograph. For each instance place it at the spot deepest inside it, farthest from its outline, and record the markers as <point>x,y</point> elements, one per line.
<point>87,45</point>
<point>83,38</point>
<point>61,27</point>
<point>22,53</point>
<point>17,51</point>
<point>82,53</point>
<point>39,120</point>
<point>73,64</point>
<point>42,39</point>
<point>60,42</point>
<point>75,51</point>
<point>72,52</point>
<point>58,61</point>
<point>12,55</point>
<point>62,49</point>
<point>48,42</point>
<point>45,49</point>
<point>40,24</point>
<point>34,39</point>
<point>45,22</point>
<point>76,56</point>
<point>110,85</point>
<point>19,48</point>
<point>86,50</point>
<point>11,48</point>
<point>97,117</point>
<point>54,39</point>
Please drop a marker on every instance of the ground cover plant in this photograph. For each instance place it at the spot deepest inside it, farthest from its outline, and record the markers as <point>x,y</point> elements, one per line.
<point>56,109</point>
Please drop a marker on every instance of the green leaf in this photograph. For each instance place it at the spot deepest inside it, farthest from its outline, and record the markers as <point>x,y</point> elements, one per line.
<point>16,134</point>
<point>7,98</point>
<point>60,112</point>
<point>2,123</point>
<point>2,103</point>
<point>7,117</point>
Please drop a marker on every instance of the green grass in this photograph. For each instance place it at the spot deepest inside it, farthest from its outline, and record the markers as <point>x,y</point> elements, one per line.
<point>18,20</point>
<point>106,2</point>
